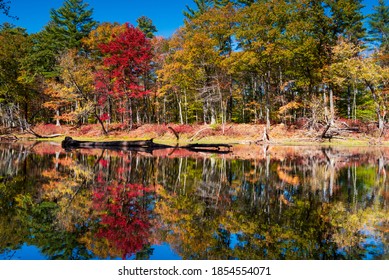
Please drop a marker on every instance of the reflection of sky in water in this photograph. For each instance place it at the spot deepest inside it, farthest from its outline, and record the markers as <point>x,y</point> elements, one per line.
<point>372,244</point>
<point>27,252</point>
<point>164,252</point>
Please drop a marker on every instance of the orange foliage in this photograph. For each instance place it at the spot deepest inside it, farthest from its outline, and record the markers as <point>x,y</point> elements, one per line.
<point>292,180</point>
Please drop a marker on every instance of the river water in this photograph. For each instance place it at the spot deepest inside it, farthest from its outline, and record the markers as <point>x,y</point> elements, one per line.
<point>260,203</point>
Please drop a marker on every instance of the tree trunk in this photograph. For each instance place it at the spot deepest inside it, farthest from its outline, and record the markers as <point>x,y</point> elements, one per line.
<point>57,119</point>
<point>180,109</point>
<point>380,116</point>
<point>355,103</point>
<point>349,102</point>
<point>325,106</point>
<point>267,119</point>
<point>186,107</point>
<point>101,122</point>
<point>332,108</point>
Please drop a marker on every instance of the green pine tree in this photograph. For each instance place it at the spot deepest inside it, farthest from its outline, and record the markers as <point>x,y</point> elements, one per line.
<point>347,18</point>
<point>146,25</point>
<point>379,26</point>
<point>69,24</point>
<point>201,7</point>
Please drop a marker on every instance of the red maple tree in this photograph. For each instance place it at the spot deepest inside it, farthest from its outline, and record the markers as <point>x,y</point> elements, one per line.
<point>127,62</point>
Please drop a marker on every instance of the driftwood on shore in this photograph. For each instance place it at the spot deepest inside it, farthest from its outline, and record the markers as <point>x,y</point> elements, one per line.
<point>142,145</point>
<point>29,130</point>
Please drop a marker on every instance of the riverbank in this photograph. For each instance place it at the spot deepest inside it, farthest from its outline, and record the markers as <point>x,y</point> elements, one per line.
<point>249,134</point>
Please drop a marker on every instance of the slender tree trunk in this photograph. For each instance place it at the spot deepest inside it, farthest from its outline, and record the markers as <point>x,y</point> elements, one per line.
<point>180,109</point>
<point>186,106</point>
<point>325,106</point>
<point>268,101</point>
<point>57,118</point>
<point>100,122</point>
<point>213,115</point>
<point>164,109</point>
<point>349,102</point>
<point>332,108</point>
<point>355,103</point>
<point>267,118</point>
<point>131,122</point>
<point>380,115</point>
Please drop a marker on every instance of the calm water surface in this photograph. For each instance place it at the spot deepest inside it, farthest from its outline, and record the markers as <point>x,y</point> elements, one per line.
<point>271,203</point>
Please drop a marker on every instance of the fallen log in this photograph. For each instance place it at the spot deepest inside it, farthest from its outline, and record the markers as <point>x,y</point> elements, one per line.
<point>69,142</point>
<point>43,136</point>
<point>206,147</point>
<point>141,145</point>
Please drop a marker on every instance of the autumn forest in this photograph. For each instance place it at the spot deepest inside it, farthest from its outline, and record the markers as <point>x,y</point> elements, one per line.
<point>232,61</point>
<point>241,68</point>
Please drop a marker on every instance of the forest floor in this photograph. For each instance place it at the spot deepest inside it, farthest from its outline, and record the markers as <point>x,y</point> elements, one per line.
<point>342,133</point>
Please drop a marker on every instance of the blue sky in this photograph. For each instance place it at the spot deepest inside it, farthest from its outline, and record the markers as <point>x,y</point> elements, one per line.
<point>166,14</point>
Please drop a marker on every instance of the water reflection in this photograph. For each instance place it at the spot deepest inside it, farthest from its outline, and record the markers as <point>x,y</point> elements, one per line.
<point>277,203</point>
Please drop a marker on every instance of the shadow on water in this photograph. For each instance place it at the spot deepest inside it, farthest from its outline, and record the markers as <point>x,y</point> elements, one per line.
<point>277,203</point>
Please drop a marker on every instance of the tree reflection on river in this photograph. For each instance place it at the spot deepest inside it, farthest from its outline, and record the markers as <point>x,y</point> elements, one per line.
<point>277,203</point>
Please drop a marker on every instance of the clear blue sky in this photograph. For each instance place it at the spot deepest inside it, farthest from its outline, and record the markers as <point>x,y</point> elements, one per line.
<point>166,14</point>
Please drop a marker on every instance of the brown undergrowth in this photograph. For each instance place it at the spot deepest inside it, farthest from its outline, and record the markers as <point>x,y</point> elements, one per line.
<point>229,133</point>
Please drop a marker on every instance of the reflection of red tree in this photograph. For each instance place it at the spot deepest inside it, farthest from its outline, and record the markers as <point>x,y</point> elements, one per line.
<point>124,219</point>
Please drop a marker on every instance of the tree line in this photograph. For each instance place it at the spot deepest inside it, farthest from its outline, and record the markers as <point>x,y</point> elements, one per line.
<point>242,61</point>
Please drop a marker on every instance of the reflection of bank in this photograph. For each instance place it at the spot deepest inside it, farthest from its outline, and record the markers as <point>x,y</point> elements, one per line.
<point>282,203</point>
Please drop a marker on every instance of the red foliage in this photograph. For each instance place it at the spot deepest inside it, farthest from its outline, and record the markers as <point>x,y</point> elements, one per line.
<point>85,129</point>
<point>104,117</point>
<point>124,219</point>
<point>127,60</point>
<point>184,128</point>
<point>48,129</point>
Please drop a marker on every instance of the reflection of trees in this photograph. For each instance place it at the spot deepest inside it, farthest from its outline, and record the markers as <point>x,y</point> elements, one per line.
<point>57,206</point>
<point>273,209</point>
<point>124,219</point>
<point>12,233</point>
<point>100,204</point>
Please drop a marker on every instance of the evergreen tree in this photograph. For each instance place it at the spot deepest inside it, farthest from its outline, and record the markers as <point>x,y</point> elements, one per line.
<point>69,24</point>
<point>146,25</point>
<point>201,7</point>
<point>347,18</point>
<point>245,2</point>
<point>379,26</point>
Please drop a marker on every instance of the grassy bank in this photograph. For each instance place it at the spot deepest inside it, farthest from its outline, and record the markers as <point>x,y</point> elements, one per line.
<point>229,134</point>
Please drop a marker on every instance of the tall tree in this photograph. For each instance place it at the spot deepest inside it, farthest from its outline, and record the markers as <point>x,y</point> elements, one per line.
<point>126,62</point>
<point>70,23</point>
<point>146,25</point>
<point>68,26</point>
<point>379,26</point>
<point>347,18</point>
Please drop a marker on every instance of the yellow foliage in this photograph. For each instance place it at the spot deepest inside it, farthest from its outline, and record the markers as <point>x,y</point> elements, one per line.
<point>293,105</point>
